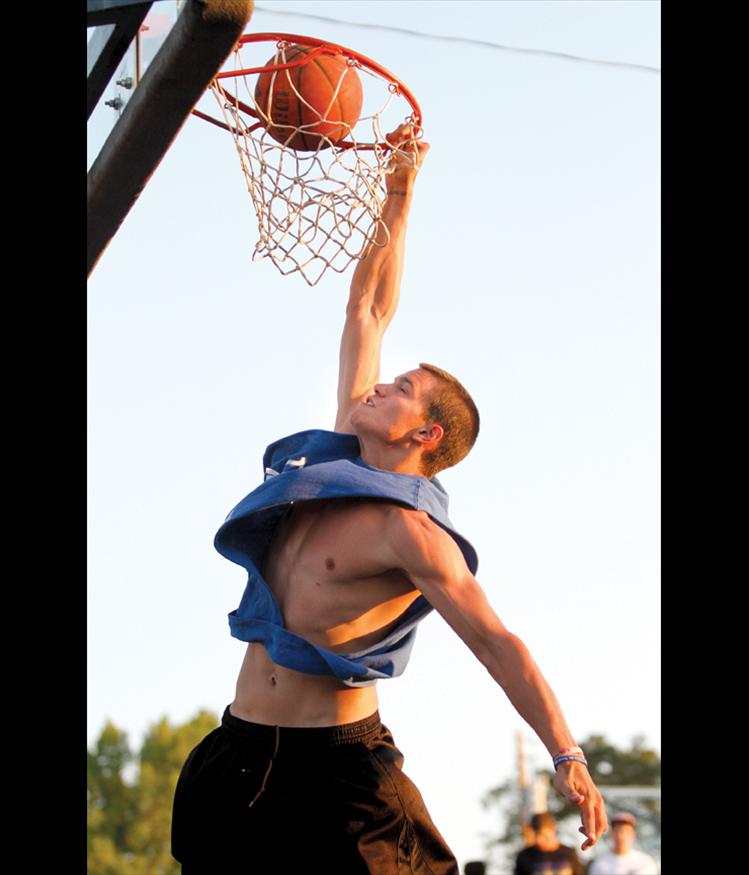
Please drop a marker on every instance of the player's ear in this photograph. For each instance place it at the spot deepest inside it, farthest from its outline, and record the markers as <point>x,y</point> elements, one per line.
<point>430,433</point>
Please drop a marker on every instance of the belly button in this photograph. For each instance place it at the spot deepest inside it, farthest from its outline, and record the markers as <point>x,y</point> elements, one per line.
<point>273,679</point>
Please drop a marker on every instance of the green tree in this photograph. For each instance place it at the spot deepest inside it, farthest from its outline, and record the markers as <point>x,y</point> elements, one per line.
<point>129,824</point>
<point>110,802</point>
<point>610,766</point>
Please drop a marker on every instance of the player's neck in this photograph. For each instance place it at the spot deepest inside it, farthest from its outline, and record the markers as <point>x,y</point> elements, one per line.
<point>401,460</point>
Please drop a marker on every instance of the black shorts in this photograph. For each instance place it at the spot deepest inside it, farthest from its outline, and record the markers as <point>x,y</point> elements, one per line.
<point>263,799</point>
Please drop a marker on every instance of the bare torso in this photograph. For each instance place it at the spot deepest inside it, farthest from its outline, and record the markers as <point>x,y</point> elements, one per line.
<point>332,589</point>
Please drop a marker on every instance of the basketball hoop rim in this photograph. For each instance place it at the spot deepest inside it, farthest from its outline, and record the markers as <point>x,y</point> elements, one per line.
<point>325,47</point>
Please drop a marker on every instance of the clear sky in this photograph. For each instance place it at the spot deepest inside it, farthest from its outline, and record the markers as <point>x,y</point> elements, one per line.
<point>532,273</point>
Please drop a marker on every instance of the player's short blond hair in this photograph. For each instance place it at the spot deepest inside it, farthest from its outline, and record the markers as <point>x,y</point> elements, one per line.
<point>450,405</point>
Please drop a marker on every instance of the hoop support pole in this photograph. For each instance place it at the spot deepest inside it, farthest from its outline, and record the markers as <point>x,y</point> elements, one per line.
<point>194,50</point>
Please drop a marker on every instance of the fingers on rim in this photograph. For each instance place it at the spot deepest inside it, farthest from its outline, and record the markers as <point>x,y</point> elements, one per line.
<point>402,131</point>
<point>405,133</point>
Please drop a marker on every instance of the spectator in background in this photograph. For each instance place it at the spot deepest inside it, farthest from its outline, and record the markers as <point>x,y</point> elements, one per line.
<point>625,860</point>
<point>547,856</point>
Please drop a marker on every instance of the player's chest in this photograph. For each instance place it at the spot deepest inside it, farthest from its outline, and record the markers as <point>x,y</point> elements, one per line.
<point>336,541</point>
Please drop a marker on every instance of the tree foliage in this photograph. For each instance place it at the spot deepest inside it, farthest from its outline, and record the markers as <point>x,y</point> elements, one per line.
<point>129,823</point>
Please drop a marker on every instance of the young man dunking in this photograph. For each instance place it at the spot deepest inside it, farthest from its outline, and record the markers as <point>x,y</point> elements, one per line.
<point>348,545</point>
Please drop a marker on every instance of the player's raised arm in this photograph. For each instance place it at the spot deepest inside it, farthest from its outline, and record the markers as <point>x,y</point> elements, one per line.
<point>435,565</point>
<point>375,286</point>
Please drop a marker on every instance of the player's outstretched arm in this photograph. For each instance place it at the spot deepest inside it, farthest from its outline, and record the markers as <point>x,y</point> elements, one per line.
<point>435,565</point>
<point>375,286</point>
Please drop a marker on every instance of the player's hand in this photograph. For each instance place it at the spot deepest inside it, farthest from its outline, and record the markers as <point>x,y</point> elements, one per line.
<point>573,781</point>
<point>406,157</point>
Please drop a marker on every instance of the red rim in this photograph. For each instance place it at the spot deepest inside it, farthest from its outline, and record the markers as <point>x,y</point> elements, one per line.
<point>322,47</point>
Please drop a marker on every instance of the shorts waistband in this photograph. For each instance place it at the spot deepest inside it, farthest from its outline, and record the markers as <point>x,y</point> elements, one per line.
<point>342,733</point>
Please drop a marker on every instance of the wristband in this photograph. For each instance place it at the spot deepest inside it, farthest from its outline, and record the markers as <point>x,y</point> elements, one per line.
<point>565,750</point>
<point>576,759</point>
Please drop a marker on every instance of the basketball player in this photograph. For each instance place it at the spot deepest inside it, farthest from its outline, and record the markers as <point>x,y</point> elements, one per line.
<point>348,545</point>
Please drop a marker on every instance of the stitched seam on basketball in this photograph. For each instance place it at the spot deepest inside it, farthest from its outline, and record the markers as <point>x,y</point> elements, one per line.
<point>337,92</point>
<point>295,90</point>
<point>299,105</point>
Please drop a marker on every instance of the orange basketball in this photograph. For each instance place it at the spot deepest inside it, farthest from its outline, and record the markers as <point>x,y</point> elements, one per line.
<point>326,109</point>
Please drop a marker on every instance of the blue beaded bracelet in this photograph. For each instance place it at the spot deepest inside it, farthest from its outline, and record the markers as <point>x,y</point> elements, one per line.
<point>559,760</point>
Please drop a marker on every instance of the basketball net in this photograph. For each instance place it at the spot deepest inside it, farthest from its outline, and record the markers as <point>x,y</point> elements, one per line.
<point>322,209</point>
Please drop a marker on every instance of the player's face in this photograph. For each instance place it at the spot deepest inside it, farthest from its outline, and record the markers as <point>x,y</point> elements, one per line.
<point>395,409</point>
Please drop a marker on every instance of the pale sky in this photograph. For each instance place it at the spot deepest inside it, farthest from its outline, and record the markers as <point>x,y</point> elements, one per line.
<point>532,273</point>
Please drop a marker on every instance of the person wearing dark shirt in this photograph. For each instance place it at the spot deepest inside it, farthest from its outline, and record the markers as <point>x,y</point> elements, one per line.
<point>547,856</point>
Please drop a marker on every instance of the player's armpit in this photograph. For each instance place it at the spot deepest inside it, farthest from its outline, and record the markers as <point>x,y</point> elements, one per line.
<point>435,565</point>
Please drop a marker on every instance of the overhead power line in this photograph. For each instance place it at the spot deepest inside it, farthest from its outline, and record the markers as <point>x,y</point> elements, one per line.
<point>462,39</point>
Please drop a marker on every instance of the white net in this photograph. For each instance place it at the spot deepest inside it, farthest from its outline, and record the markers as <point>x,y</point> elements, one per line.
<point>319,209</point>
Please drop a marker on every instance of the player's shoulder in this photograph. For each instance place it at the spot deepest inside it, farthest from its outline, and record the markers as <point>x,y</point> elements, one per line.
<point>418,541</point>
<point>405,522</point>
<point>391,519</point>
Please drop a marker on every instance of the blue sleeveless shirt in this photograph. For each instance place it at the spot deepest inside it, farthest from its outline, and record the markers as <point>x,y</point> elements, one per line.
<point>319,464</point>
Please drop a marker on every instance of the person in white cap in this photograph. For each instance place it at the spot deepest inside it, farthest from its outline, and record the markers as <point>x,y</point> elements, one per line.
<point>625,860</point>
